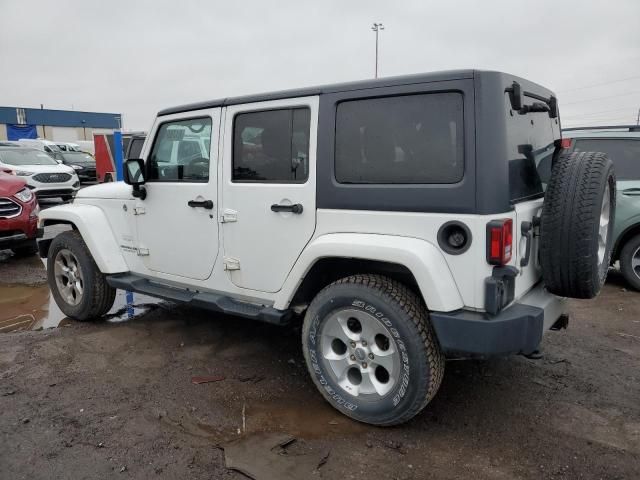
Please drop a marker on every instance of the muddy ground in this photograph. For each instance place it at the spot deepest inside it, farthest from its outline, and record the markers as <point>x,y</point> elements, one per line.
<point>116,399</point>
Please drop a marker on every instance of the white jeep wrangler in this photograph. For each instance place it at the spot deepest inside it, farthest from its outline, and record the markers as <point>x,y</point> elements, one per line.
<point>407,218</point>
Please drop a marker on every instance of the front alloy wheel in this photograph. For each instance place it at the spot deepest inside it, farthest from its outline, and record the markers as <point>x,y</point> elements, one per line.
<point>68,277</point>
<point>77,285</point>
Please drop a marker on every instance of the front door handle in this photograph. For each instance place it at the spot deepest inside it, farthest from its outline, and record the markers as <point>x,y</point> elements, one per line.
<point>295,208</point>
<point>631,192</point>
<point>208,204</point>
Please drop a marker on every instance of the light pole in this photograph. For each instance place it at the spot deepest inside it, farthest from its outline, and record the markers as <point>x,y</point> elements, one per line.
<point>376,28</point>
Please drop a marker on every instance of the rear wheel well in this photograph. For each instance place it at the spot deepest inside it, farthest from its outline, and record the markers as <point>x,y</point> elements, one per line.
<point>627,235</point>
<point>328,270</point>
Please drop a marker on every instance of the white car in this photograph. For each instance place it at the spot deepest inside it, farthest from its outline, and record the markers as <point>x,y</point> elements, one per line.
<point>68,146</point>
<point>44,175</point>
<point>404,217</point>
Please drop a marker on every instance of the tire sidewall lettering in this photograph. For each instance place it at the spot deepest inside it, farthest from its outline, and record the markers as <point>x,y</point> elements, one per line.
<point>342,399</point>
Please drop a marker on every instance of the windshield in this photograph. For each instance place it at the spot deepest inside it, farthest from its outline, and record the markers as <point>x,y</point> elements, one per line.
<point>76,157</point>
<point>25,156</point>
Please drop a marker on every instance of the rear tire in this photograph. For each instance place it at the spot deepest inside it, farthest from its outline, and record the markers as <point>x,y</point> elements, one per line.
<point>630,262</point>
<point>577,224</point>
<point>371,350</point>
<point>78,287</point>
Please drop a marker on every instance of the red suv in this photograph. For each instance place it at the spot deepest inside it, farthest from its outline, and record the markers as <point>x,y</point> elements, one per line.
<point>18,215</point>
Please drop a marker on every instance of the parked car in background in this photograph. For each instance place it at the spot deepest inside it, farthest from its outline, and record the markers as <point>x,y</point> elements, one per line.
<point>68,146</point>
<point>44,145</point>
<point>83,163</point>
<point>622,145</point>
<point>134,149</point>
<point>86,146</point>
<point>44,175</point>
<point>18,215</point>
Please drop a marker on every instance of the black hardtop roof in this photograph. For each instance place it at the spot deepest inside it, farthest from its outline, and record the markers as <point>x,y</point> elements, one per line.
<point>334,88</point>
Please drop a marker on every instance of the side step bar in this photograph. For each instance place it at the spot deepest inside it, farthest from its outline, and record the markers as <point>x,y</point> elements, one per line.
<point>207,300</point>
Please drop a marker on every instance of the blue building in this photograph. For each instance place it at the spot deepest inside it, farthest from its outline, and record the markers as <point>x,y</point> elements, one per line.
<point>58,125</point>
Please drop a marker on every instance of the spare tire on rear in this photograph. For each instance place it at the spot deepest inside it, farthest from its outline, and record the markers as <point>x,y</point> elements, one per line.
<point>577,223</point>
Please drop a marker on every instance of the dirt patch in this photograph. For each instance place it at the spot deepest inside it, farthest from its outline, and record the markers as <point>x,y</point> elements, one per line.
<point>97,399</point>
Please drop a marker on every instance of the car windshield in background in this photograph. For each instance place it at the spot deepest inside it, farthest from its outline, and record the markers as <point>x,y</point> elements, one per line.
<point>24,156</point>
<point>625,154</point>
<point>76,157</point>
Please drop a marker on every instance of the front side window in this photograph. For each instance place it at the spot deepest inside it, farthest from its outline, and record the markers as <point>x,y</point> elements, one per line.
<point>408,139</point>
<point>624,153</point>
<point>180,152</point>
<point>271,146</point>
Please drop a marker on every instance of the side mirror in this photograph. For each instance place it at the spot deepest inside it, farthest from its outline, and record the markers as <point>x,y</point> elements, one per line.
<point>133,174</point>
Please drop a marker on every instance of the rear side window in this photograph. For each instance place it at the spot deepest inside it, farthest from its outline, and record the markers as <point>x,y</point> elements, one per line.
<point>624,153</point>
<point>400,140</point>
<point>271,146</point>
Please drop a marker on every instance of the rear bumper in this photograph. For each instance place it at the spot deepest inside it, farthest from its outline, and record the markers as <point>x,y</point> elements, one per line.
<point>516,329</point>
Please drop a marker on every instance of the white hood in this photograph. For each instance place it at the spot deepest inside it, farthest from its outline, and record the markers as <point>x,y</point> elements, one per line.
<point>58,168</point>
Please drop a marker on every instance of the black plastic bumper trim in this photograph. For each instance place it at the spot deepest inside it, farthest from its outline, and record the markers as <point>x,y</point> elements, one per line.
<point>517,329</point>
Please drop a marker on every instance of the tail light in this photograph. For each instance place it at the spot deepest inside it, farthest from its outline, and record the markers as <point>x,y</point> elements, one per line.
<point>565,143</point>
<point>499,241</point>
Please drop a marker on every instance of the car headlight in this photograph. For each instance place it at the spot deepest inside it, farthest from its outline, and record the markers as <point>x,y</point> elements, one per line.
<point>22,173</point>
<point>76,167</point>
<point>24,195</point>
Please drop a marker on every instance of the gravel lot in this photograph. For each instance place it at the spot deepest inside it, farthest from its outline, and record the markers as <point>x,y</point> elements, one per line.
<point>116,399</point>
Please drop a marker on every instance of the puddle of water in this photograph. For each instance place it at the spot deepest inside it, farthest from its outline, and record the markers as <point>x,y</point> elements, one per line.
<point>32,308</point>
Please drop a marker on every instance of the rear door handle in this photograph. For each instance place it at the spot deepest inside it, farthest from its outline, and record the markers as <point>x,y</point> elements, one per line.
<point>295,208</point>
<point>631,192</point>
<point>208,204</point>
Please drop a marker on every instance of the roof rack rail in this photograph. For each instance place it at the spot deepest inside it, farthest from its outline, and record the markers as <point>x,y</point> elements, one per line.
<point>630,128</point>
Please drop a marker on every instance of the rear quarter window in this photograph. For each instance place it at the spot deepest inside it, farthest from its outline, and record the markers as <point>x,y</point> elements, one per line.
<point>409,139</point>
<point>624,153</point>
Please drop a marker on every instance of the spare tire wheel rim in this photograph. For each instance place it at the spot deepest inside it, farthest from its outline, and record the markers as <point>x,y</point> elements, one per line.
<point>69,279</point>
<point>359,353</point>
<point>603,231</point>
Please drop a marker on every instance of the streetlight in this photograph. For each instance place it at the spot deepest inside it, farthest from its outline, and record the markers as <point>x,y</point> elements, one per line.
<point>376,28</point>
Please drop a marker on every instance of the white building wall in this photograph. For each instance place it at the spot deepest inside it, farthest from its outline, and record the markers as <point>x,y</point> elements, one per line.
<point>64,134</point>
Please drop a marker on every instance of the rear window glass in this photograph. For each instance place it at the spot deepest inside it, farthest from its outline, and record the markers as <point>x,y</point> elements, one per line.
<point>529,173</point>
<point>624,153</point>
<point>400,140</point>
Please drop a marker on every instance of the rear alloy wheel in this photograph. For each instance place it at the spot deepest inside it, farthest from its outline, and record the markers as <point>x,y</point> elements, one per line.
<point>78,287</point>
<point>371,350</point>
<point>630,262</point>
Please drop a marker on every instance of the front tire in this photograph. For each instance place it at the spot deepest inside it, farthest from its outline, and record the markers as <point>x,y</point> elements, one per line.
<point>630,262</point>
<point>78,287</point>
<point>371,350</point>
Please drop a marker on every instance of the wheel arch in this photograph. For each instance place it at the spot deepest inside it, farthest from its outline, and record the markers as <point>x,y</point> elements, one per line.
<point>626,235</point>
<point>415,262</point>
<point>92,224</point>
